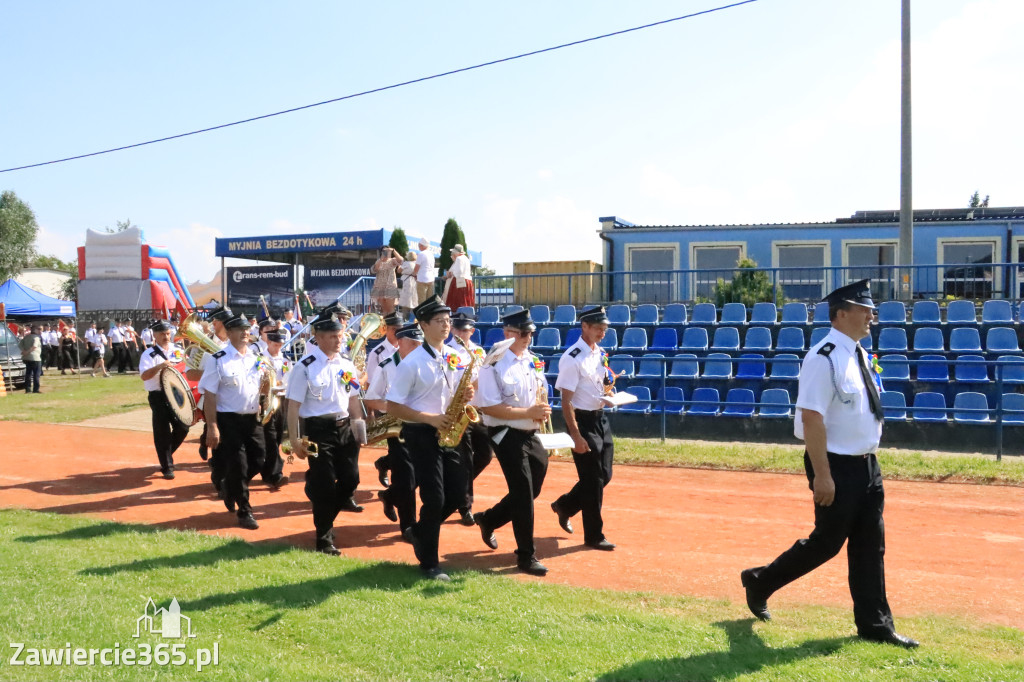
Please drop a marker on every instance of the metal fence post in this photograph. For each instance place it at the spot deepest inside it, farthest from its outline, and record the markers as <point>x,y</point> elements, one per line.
<point>999,411</point>
<point>661,397</point>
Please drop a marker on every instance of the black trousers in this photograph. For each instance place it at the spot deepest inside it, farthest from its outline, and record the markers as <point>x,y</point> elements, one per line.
<point>524,463</point>
<point>119,358</point>
<point>168,431</point>
<point>53,357</point>
<point>476,452</point>
<point>333,474</point>
<point>854,518</point>
<point>441,478</point>
<point>594,469</point>
<point>241,449</point>
<point>273,434</point>
<point>402,491</point>
<point>216,462</point>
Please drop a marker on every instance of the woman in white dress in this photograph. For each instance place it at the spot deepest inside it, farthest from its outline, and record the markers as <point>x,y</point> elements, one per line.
<point>407,298</point>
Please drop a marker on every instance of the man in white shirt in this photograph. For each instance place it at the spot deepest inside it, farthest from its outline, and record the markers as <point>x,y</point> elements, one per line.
<point>117,347</point>
<point>424,271</point>
<point>147,335</point>
<point>374,357</point>
<point>168,431</point>
<point>839,417</point>
<point>97,343</point>
<point>272,471</point>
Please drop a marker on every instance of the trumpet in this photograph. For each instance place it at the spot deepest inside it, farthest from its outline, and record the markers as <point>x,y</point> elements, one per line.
<point>199,343</point>
<point>311,449</point>
<point>547,426</point>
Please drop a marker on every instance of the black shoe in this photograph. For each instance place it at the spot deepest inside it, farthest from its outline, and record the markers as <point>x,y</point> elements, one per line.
<point>563,518</point>
<point>351,506</point>
<point>229,502</point>
<point>389,509</point>
<point>203,455</point>
<point>894,638</point>
<point>409,536</point>
<point>533,567</point>
<point>486,532</point>
<point>276,485</point>
<point>168,474</point>
<point>248,522</point>
<point>382,472</point>
<point>467,518</point>
<point>756,602</point>
<point>603,545</point>
<point>328,549</point>
<point>436,574</point>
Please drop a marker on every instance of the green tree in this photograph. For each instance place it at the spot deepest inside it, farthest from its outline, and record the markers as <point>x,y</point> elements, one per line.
<point>69,289</point>
<point>399,242</point>
<point>18,229</point>
<point>748,286</point>
<point>452,235</point>
<point>977,202</point>
<point>488,280</point>
<point>120,226</point>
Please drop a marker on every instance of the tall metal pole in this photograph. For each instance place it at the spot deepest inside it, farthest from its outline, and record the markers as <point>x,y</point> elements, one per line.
<point>906,248</point>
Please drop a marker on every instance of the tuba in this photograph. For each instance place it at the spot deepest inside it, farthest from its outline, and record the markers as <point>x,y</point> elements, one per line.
<point>369,328</point>
<point>461,412</point>
<point>270,398</point>
<point>198,343</point>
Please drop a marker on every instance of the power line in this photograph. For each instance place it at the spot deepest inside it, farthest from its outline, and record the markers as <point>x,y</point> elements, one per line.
<point>380,89</point>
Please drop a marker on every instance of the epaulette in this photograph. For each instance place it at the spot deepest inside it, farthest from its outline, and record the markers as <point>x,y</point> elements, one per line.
<point>574,352</point>
<point>220,354</point>
<point>827,349</point>
<point>384,363</point>
<point>379,349</point>
<point>308,360</point>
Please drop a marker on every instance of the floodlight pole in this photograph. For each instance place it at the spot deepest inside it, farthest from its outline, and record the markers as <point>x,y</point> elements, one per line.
<point>906,247</point>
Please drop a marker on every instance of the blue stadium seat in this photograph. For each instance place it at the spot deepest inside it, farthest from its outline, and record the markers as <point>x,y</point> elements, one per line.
<point>744,403</point>
<point>675,314</point>
<point>926,312</point>
<point>622,365</point>
<point>512,308</point>
<point>961,313</point>
<point>551,368</point>
<point>964,340</point>
<point>488,315</point>
<point>494,335</point>
<point>665,340</point>
<point>894,405</point>
<point>705,314</point>
<point>646,315</point>
<point>758,338</point>
<point>565,315</point>
<point>547,340</point>
<point>1012,369</point>
<point>817,334</point>
<point>475,337</point>
<point>933,369</point>
<point>751,366</point>
<point>1001,340</point>
<point>821,313</point>
<point>694,339</point>
<point>643,403</point>
<point>794,313</point>
<point>775,403</point>
<point>970,369</point>
<point>610,342</point>
<point>618,314</point>
<point>1013,408</point>
<point>892,340</point>
<point>634,339</point>
<point>764,313</point>
<point>684,366</point>
<point>467,310</point>
<point>929,407</point>
<point>672,399</point>
<point>892,312</point>
<point>734,313</point>
<point>717,366</point>
<point>726,338</point>
<point>554,400</point>
<point>790,338</point>
<point>650,366</point>
<point>541,314</point>
<point>996,312</point>
<point>894,368</point>
<point>704,402</point>
<point>785,366</point>
<point>968,400</point>
<point>571,337</point>
<point>867,343</point>
<point>928,339</point>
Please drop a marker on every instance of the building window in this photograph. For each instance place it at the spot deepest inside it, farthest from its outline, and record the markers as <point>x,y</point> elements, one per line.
<point>713,262</point>
<point>803,269</point>
<point>652,278</point>
<point>874,261</point>
<point>969,273</point>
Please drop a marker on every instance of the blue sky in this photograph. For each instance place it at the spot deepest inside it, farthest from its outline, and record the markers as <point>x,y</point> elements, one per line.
<point>774,111</point>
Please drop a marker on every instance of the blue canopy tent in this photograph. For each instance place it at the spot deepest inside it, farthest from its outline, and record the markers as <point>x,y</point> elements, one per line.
<point>20,302</point>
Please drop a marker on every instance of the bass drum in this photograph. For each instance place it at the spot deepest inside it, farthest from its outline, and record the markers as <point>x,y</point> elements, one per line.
<point>179,395</point>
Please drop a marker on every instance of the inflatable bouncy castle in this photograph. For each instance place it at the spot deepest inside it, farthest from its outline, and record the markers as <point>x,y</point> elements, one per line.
<point>119,271</point>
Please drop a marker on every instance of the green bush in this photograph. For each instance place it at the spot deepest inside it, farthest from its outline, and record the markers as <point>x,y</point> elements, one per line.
<point>748,286</point>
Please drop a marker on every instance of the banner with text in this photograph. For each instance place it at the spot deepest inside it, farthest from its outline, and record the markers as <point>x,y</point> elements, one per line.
<point>247,284</point>
<point>325,284</point>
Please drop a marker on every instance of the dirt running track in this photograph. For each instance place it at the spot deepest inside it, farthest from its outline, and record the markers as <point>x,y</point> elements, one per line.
<point>952,549</point>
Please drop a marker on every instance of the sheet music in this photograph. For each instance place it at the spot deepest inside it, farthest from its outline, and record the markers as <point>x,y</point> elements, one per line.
<point>555,441</point>
<point>617,399</point>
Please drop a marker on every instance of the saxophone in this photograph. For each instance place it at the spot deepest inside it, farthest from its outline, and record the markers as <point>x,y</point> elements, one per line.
<point>461,412</point>
<point>383,427</point>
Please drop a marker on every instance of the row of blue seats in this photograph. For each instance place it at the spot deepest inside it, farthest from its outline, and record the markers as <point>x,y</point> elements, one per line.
<point>968,407</point>
<point>994,311</point>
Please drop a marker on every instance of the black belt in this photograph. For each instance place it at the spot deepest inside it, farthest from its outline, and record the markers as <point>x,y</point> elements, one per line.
<point>864,456</point>
<point>589,413</point>
<point>328,419</point>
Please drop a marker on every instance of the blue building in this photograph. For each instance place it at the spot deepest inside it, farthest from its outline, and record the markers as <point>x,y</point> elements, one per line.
<point>966,253</point>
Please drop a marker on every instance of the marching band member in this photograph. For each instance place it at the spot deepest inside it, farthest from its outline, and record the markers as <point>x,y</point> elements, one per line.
<point>581,378</point>
<point>323,391</point>
<point>272,471</point>
<point>400,497</point>
<point>231,388</point>
<point>147,335</point>
<point>168,431</point>
<point>475,445</point>
<point>220,337</point>
<point>381,352</point>
<point>508,400</point>
<point>423,388</point>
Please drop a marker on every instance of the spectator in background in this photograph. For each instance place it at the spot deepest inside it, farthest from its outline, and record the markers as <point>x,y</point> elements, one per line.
<point>68,348</point>
<point>424,271</point>
<point>407,298</point>
<point>458,286</point>
<point>385,286</point>
<point>31,347</point>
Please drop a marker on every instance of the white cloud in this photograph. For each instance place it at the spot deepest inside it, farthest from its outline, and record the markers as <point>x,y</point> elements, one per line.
<point>49,243</point>
<point>545,174</point>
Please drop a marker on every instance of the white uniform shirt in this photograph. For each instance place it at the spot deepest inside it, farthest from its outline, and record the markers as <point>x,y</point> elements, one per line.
<point>381,352</point>
<point>464,359</point>
<point>425,259</point>
<point>282,366</point>
<point>153,357</point>
<point>147,336</point>
<point>383,377</point>
<point>425,381</point>
<point>511,381</point>
<point>116,335</point>
<point>320,385</point>
<point>235,378</point>
<point>53,338</point>
<point>850,427</point>
<point>582,371</point>
<point>90,337</point>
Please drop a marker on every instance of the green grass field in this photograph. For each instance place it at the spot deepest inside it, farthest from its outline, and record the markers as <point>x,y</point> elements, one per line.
<point>280,613</point>
<point>70,398</point>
